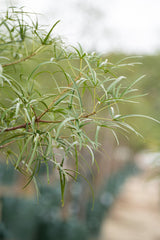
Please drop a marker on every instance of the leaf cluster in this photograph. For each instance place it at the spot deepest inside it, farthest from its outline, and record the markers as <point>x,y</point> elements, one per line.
<point>47,104</point>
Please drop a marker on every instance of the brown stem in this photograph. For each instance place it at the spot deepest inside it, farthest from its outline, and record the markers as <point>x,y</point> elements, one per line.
<point>43,121</point>
<point>47,121</point>
<point>50,105</point>
<point>17,127</point>
<point>5,145</point>
<point>21,60</point>
<point>88,115</point>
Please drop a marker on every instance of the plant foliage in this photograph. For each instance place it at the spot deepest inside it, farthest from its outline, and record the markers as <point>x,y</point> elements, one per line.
<point>50,94</point>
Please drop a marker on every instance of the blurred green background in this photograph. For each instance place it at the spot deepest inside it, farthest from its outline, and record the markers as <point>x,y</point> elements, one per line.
<point>149,104</point>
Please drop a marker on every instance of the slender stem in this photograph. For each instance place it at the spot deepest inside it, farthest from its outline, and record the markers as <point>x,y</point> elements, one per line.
<point>64,91</point>
<point>43,121</point>
<point>88,115</point>
<point>17,127</point>
<point>23,59</point>
<point>47,121</point>
<point>5,145</point>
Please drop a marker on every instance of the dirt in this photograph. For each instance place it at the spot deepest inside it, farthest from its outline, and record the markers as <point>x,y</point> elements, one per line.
<point>136,213</point>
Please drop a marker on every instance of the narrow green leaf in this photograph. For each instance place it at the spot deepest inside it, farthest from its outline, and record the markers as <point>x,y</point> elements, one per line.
<point>17,109</point>
<point>120,117</point>
<point>131,85</point>
<point>27,114</point>
<point>22,152</point>
<point>49,33</point>
<point>115,135</point>
<point>33,123</point>
<point>13,138</point>
<point>91,152</point>
<point>114,83</point>
<point>62,124</point>
<point>93,73</point>
<point>96,135</point>
<point>33,151</point>
<point>77,90</point>
<point>61,98</point>
<point>76,158</point>
<point>63,183</point>
<point>50,147</point>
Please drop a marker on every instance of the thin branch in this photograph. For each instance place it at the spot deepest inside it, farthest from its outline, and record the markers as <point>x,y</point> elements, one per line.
<point>64,91</point>
<point>16,127</point>
<point>23,59</point>
<point>88,115</point>
<point>5,145</point>
<point>43,121</point>
<point>47,121</point>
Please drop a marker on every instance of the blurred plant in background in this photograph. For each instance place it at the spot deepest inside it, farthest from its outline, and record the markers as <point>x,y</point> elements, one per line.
<point>24,218</point>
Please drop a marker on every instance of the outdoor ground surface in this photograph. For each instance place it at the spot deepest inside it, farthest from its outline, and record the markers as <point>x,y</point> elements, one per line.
<point>136,213</point>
